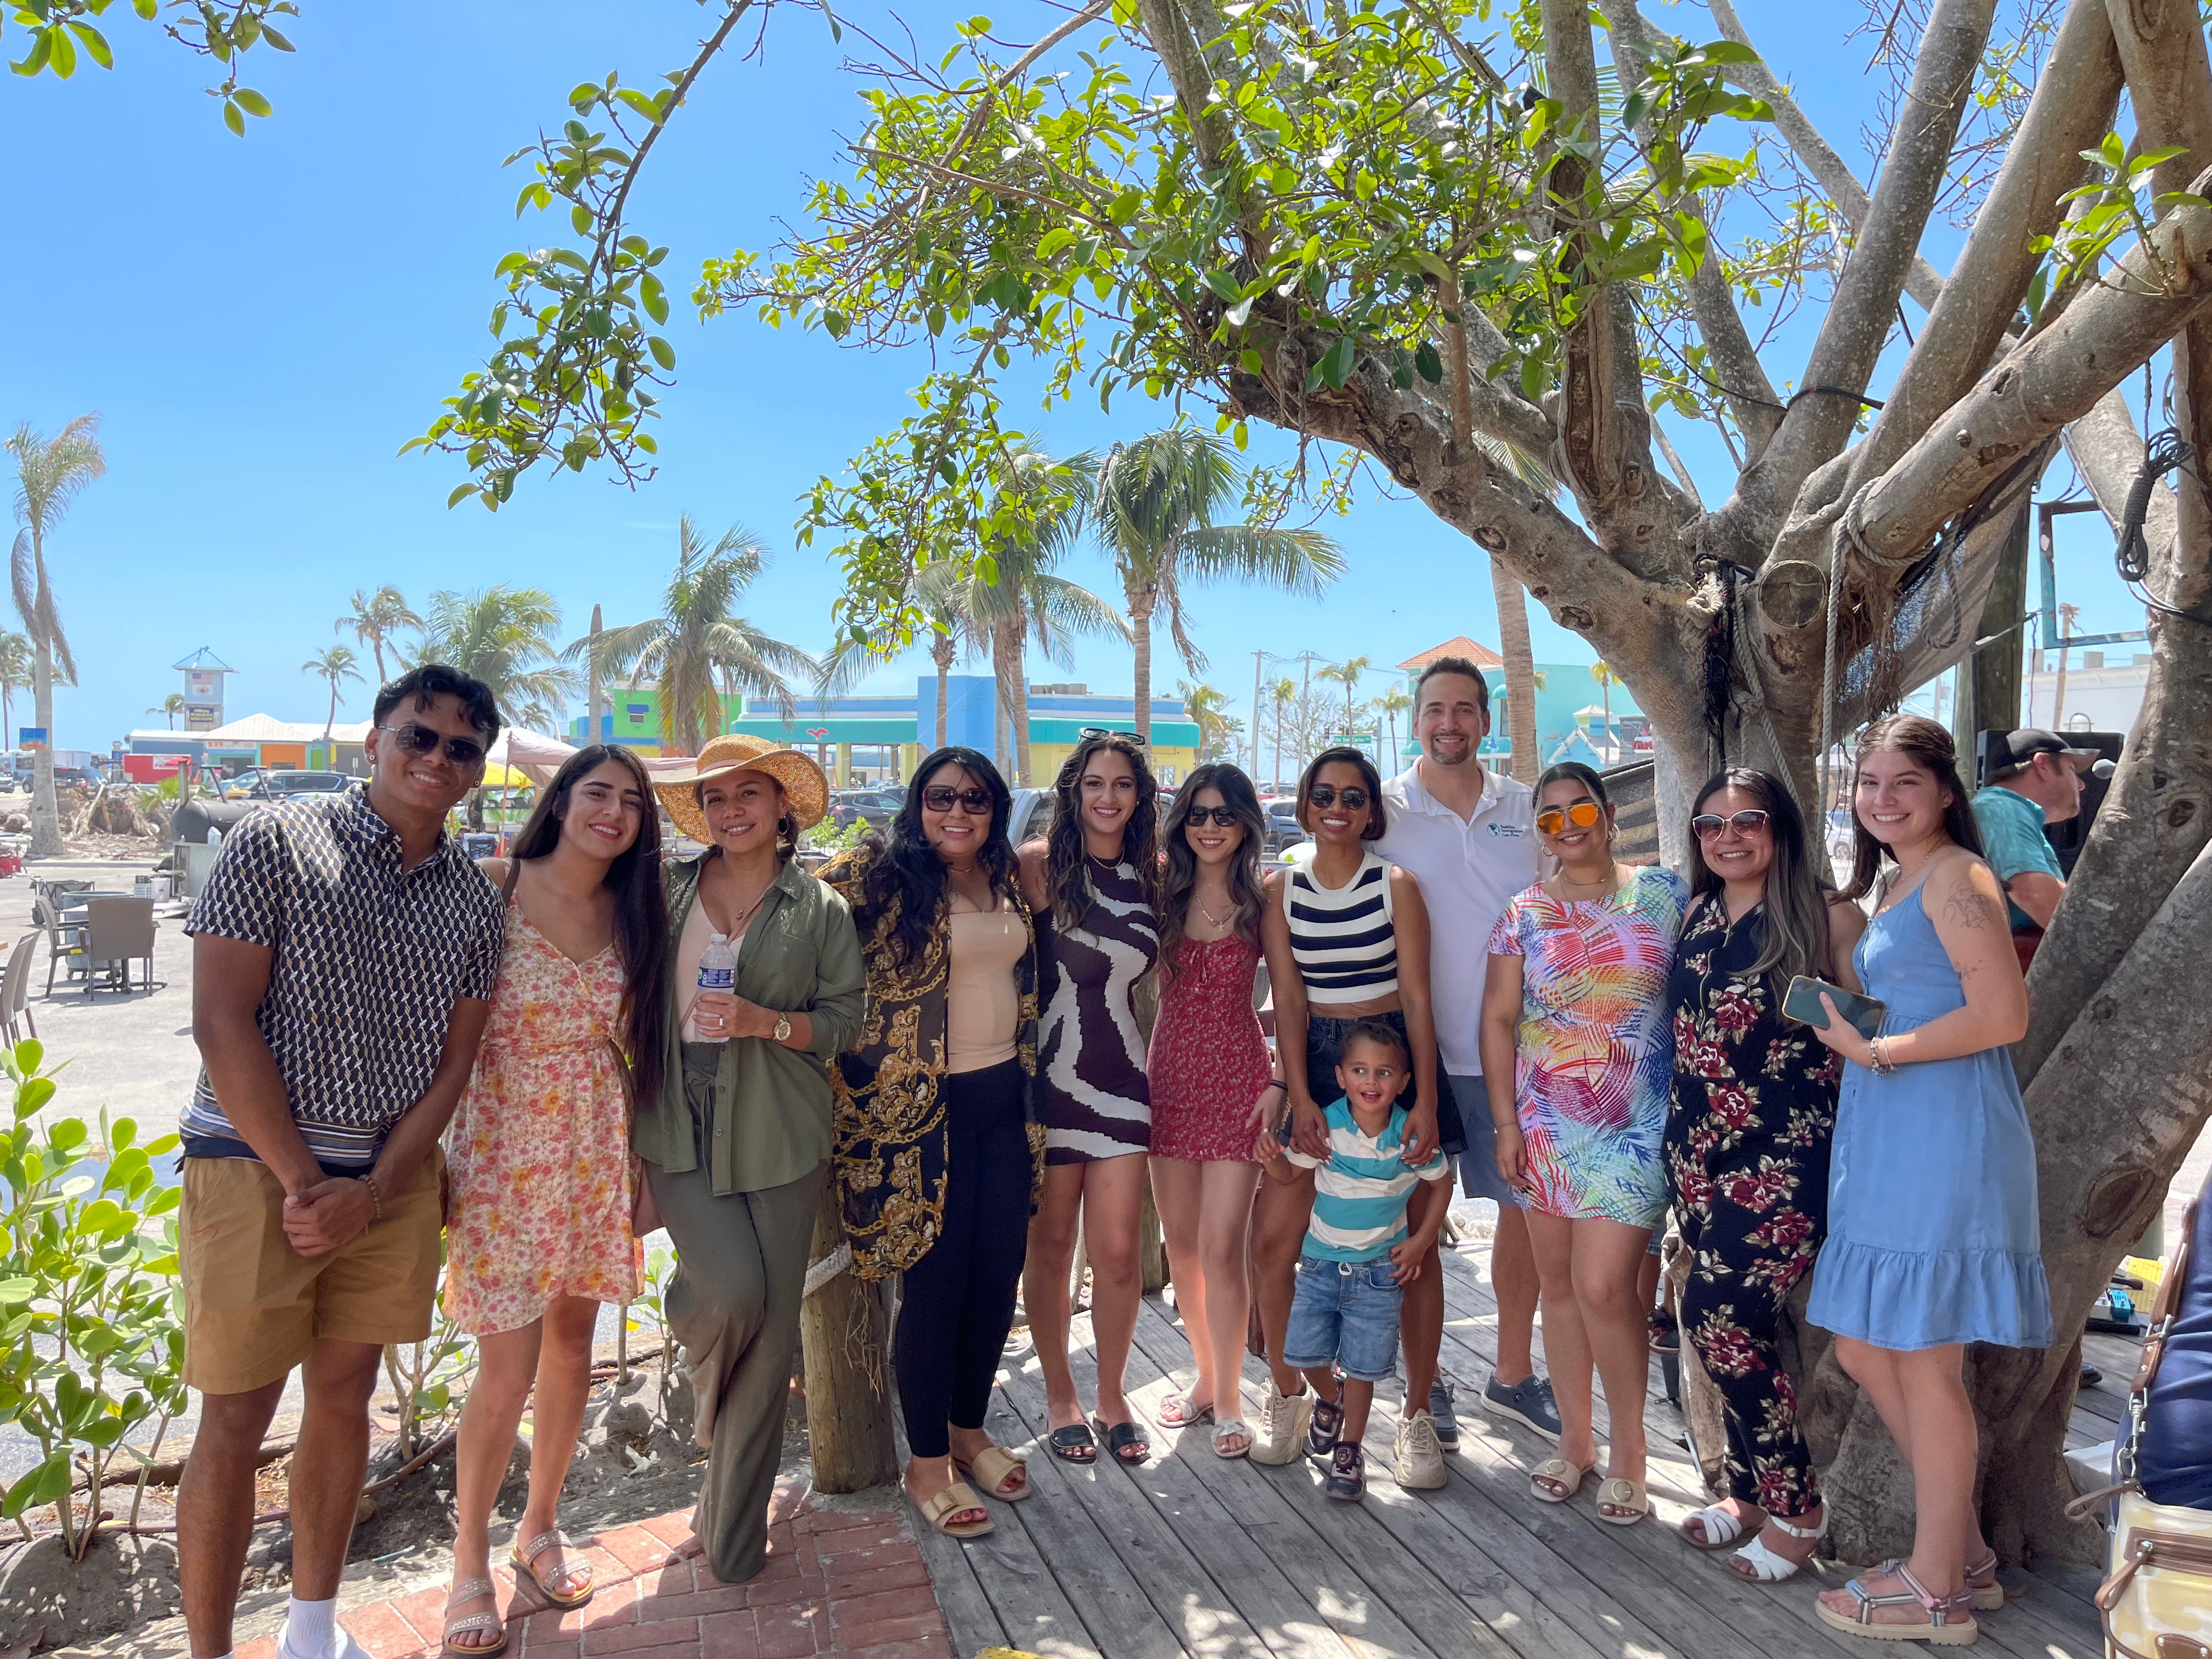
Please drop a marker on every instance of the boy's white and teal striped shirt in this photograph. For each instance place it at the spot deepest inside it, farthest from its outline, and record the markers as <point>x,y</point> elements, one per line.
<point>1360,1191</point>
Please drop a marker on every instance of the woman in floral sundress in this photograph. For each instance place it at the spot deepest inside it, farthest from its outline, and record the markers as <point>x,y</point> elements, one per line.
<point>538,1233</point>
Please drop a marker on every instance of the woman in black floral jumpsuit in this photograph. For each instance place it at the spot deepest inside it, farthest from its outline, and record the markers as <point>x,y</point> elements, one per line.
<point>1748,1127</point>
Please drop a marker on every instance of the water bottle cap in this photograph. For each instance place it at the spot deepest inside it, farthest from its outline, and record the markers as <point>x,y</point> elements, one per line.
<point>719,938</point>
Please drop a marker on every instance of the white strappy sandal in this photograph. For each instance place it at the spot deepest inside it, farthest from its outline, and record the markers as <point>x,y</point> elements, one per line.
<point>1768,1568</point>
<point>1720,1526</point>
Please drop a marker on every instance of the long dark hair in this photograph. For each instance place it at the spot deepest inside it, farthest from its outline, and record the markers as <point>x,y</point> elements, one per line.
<point>1066,875</point>
<point>1345,754</point>
<point>904,870</point>
<point>1796,903</point>
<point>1928,745</point>
<point>641,916</point>
<point>1246,898</point>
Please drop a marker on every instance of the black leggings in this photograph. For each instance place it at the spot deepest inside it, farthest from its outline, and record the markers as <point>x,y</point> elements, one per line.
<point>958,1300</point>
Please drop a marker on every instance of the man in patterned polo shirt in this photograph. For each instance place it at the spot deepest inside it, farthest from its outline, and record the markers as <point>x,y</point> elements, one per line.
<point>344,956</point>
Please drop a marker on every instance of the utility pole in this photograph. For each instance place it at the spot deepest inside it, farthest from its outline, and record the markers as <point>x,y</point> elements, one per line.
<point>595,705</point>
<point>1259,658</point>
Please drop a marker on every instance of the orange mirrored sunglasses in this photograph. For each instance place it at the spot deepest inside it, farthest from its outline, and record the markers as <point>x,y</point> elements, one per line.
<point>1582,814</point>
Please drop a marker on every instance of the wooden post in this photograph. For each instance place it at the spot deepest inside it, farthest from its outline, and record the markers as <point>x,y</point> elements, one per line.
<point>844,1334</point>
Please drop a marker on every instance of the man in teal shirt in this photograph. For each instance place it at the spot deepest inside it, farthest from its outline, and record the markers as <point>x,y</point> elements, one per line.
<point>2034,779</point>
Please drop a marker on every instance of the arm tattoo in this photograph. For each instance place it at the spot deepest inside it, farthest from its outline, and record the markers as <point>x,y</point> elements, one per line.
<point>1970,908</point>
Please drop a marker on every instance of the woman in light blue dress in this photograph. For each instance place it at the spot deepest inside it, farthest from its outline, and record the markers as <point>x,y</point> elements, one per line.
<point>1934,1240</point>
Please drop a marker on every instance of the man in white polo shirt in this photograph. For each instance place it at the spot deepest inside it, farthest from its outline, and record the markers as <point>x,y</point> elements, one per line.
<point>1468,835</point>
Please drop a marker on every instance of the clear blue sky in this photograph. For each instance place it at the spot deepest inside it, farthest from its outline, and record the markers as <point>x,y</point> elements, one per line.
<point>262,322</point>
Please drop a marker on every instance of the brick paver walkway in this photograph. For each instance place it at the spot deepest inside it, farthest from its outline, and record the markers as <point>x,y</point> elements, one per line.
<point>835,1583</point>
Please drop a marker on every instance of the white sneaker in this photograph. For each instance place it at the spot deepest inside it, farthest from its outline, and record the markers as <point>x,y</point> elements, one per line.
<point>342,1644</point>
<point>1282,1429</point>
<point>1419,1460</point>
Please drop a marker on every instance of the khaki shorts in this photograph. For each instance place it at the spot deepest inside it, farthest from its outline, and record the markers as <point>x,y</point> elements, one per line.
<point>254,1307</point>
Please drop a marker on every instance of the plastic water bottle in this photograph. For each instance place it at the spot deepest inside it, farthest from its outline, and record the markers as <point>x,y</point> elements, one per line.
<point>718,971</point>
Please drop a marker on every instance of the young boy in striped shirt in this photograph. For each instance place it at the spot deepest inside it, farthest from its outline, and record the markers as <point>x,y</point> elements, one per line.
<point>1358,1256</point>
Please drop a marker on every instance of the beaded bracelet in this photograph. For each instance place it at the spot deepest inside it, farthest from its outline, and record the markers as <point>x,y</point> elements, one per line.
<point>375,1198</point>
<point>1877,1061</point>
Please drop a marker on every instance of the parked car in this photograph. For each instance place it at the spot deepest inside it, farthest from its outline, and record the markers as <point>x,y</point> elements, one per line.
<point>874,807</point>
<point>1282,817</point>
<point>73,775</point>
<point>1031,816</point>
<point>262,783</point>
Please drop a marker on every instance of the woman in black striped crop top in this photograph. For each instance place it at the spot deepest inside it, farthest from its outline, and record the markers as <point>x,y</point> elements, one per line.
<point>1346,937</point>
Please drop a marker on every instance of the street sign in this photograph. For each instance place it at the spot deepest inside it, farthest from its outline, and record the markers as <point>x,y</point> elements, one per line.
<point>31,737</point>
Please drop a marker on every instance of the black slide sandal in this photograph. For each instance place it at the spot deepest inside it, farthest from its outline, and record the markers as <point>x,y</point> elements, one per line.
<point>1073,1444</point>
<point>1120,1438</point>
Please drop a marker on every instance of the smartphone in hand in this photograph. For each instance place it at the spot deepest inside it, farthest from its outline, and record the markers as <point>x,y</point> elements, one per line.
<point>1802,1003</point>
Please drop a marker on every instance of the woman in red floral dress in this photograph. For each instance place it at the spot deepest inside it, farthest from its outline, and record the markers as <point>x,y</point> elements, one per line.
<point>1209,1070</point>
<point>1752,1112</point>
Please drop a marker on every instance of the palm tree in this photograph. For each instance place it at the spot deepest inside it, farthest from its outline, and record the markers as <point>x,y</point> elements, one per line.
<point>1606,679</point>
<point>16,658</point>
<point>2068,616</point>
<point>1011,600</point>
<point>1391,704</point>
<point>1206,706</point>
<point>173,705</point>
<point>333,663</point>
<point>503,636</point>
<point>698,649</point>
<point>374,618</point>
<point>48,476</point>
<point>1345,674</point>
<point>1522,680</point>
<point>1283,692</point>
<point>1157,502</point>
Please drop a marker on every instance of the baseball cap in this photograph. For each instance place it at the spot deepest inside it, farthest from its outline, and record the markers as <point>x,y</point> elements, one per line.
<point>2020,747</point>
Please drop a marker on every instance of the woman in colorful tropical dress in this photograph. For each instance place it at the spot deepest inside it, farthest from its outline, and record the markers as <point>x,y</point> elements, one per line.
<point>1212,1083</point>
<point>1577,1058</point>
<point>1748,1132</point>
<point>538,1229</point>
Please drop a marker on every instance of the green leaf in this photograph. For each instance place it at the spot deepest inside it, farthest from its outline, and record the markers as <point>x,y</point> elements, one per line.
<point>654,297</point>
<point>35,60</point>
<point>251,101</point>
<point>13,1290</point>
<point>1430,366</point>
<point>1725,52</point>
<point>581,217</point>
<point>1224,285</point>
<point>95,45</point>
<point>29,1053</point>
<point>1249,360</point>
<point>62,53</point>
<point>232,118</point>
<point>663,353</point>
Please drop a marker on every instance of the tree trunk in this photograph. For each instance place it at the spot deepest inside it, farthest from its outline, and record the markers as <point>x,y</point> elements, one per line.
<point>1000,757</point>
<point>844,1337</point>
<point>1519,657</point>
<point>45,810</point>
<point>594,692</point>
<point>2058,691</point>
<point>1989,692</point>
<point>940,653</point>
<point>1017,711</point>
<point>1140,651</point>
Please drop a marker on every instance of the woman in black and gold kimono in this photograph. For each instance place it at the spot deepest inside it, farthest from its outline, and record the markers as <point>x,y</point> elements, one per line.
<point>936,1157</point>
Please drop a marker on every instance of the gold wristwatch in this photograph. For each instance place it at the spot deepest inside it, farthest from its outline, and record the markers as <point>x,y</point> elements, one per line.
<point>782,1032</point>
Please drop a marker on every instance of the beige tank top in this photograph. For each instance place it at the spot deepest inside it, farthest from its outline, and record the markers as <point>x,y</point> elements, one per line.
<point>698,928</point>
<point>980,1006</point>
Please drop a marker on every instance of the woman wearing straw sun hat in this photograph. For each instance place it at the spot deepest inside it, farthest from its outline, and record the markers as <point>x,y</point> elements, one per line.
<point>736,1144</point>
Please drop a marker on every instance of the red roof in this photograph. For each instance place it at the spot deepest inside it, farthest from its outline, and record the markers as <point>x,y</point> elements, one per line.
<point>1480,655</point>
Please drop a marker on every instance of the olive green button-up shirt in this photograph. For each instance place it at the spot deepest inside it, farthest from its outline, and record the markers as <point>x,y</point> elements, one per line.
<point>772,1110</point>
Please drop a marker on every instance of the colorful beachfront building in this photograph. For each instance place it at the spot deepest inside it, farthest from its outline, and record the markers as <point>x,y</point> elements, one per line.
<point>881,739</point>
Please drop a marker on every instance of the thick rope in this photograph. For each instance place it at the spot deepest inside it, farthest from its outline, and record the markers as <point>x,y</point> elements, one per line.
<point>1850,533</point>
<point>829,1267</point>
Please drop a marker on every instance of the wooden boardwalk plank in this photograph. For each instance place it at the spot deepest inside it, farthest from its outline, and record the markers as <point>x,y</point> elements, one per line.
<point>1455,1598</point>
<point>1195,1557</point>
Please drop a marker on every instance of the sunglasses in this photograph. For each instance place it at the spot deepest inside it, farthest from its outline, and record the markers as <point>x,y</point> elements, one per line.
<point>1582,814</point>
<point>1327,795</point>
<point>465,753</point>
<point>1707,826</point>
<point>1220,817</point>
<point>939,797</point>
<point>1108,732</point>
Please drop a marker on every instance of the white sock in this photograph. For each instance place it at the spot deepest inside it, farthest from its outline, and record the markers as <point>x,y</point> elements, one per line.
<point>308,1627</point>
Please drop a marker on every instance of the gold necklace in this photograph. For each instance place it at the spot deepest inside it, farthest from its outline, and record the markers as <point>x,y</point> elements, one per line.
<point>1611,875</point>
<point>1212,921</point>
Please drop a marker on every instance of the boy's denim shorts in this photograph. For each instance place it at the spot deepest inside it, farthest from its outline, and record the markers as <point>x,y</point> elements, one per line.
<point>1345,1311</point>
